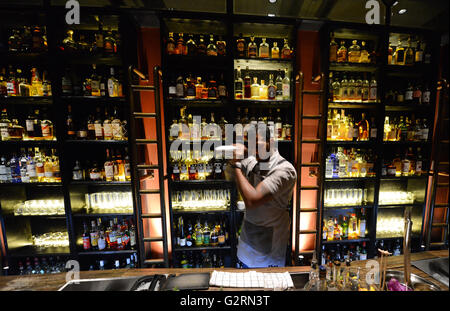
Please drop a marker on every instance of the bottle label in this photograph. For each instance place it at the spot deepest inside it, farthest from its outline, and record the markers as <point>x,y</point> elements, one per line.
<point>363,256</point>
<point>132,238</point>
<point>172,90</point>
<point>182,242</point>
<point>409,95</point>
<point>426,97</point>
<point>127,170</point>
<point>286,91</point>
<point>116,130</point>
<point>180,90</point>
<point>29,125</point>
<point>222,91</point>
<point>86,243</point>
<point>40,169</point>
<point>109,171</point>
<point>373,93</point>
<point>94,239</point>
<point>110,88</point>
<point>107,129</point>
<point>373,133</point>
<point>98,130</point>
<point>45,129</point>
<point>101,243</point>
<point>31,170</point>
<point>48,174</point>
<point>94,176</point>
<point>425,134</point>
<point>418,166</point>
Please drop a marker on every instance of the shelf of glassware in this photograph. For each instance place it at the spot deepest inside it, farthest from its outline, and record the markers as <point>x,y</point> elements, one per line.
<point>28,251</point>
<point>391,223</point>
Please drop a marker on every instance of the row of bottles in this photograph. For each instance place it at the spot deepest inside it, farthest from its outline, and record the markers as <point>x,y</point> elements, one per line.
<point>347,163</point>
<point>42,266</point>
<point>30,166</point>
<point>201,234</point>
<point>263,50</point>
<point>108,127</point>
<point>196,45</point>
<point>416,94</point>
<point>351,52</point>
<point>348,227</point>
<point>37,127</point>
<point>130,262</point>
<point>404,128</point>
<point>196,165</point>
<point>98,42</point>
<point>203,259</point>
<point>189,128</point>
<point>350,87</point>
<point>199,88</point>
<point>116,167</point>
<point>97,85</point>
<point>348,251</point>
<point>410,164</point>
<point>278,89</point>
<point>393,246</point>
<point>28,39</point>
<point>109,236</point>
<point>18,83</point>
<point>343,127</point>
<point>408,56</point>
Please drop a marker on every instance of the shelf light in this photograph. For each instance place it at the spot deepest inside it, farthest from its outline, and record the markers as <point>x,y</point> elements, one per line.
<point>272,1</point>
<point>271,15</point>
<point>402,11</point>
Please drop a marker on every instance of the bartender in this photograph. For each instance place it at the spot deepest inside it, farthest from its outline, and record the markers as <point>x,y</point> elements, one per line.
<point>266,181</point>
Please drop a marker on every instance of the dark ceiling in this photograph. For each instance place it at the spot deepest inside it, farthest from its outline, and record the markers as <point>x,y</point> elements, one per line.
<point>431,14</point>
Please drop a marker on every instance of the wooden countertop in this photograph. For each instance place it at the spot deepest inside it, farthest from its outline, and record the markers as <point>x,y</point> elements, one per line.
<point>53,282</point>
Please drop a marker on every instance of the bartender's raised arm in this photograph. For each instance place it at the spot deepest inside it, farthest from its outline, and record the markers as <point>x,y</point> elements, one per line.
<point>253,197</point>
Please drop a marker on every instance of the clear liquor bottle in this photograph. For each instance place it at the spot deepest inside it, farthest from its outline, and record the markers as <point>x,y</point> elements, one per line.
<point>286,86</point>
<point>264,49</point>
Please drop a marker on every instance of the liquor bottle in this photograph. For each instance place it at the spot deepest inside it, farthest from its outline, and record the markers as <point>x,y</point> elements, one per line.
<point>399,54</point>
<point>271,89</point>
<point>373,90</point>
<point>170,45</point>
<point>69,43</point>
<point>247,85</point>
<point>46,85</point>
<point>354,52</point>
<point>95,82</point>
<point>417,95</point>
<point>132,236</point>
<point>48,169</point>
<point>86,238</point>
<point>426,95</point>
<point>342,53</point>
<point>221,47</point>
<point>116,126</point>
<point>66,83</point>
<point>419,163</point>
<point>38,42</point>
<point>77,172</point>
<point>337,231</point>
<point>221,88</point>
<point>182,236</point>
<point>191,46</point>
<point>126,166</point>
<point>95,173</point>
<point>191,88</point>
<point>238,84</point>
<point>181,46</point>
<point>206,234</point>
<point>333,49</point>
<point>390,54</point>
<point>212,89</point>
<point>252,49</point>
<point>263,91</point>
<point>36,84</point>
<point>3,83</point>
<point>363,254</point>
<point>39,159</point>
<point>56,172</point>
<point>201,47</point>
<point>275,50</point>
<point>353,230</point>
<point>255,88</point>
<point>109,43</point>
<point>418,57</point>
<point>286,92</point>
<point>409,93</point>
<point>11,84</point>
<point>23,160</point>
<point>425,130</point>
<point>14,41</point>
<point>46,127</point>
<point>109,167</point>
<point>409,54</point>
<point>364,57</point>
<point>279,86</point>
<point>15,131</point>
<point>373,129</point>
<point>286,51</point>
<point>101,235</point>
<point>198,234</point>
<point>98,125</point>
<point>240,46</point>
<point>278,126</point>
<point>94,236</point>
<point>113,84</point>
<point>363,128</point>
<point>264,49</point>
<point>180,87</point>
<point>211,49</point>
<point>362,223</point>
<point>330,229</point>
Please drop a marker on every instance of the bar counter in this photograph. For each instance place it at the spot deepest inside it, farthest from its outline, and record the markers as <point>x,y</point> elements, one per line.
<point>53,282</point>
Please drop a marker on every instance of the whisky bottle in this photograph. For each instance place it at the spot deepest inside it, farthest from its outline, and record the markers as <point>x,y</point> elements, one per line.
<point>279,86</point>
<point>201,47</point>
<point>342,53</point>
<point>238,84</point>
<point>409,54</point>
<point>36,84</point>
<point>113,84</point>
<point>263,91</point>
<point>417,95</point>
<point>255,88</point>
<point>354,52</point>
<point>191,88</point>
<point>247,84</point>
<point>55,167</point>
<point>333,49</point>
<point>364,56</point>
<point>48,169</point>
<point>212,88</point>
<point>363,128</point>
<point>286,52</point>
<point>47,128</point>
<point>211,49</point>
<point>109,167</point>
<point>286,93</point>
<point>426,94</point>
<point>77,172</point>
<point>275,50</point>
<point>264,49</point>
<point>71,134</point>
<point>399,54</point>
<point>66,84</point>
<point>126,166</point>
<point>107,127</point>
<point>373,90</point>
<point>418,57</point>
<point>39,159</point>
<point>31,167</point>
<point>180,87</point>
<point>69,43</point>
<point>221,88</point>
<point>191,46</point>
<point>98,125</point>
<point>221,47</point>
<point>373,129</point>
<point>4,124</point>
<point>271,89</point>
<point>116,126</point>
<point>170,45</point>
<point>46,85</point>
<point>95,174</point>
<point>390,55</point>
<point>181,46</point>
<point>15,131</point>
<point>240,46</point>
<point>95,82</point>
<point>252,48</point>
<point>109,43</point>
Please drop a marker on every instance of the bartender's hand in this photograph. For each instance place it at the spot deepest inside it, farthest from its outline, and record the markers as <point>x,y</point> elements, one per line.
<point>238,154</point>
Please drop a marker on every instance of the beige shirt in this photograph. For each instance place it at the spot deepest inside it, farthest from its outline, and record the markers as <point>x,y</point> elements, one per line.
<point>265,229</point>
